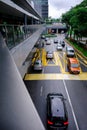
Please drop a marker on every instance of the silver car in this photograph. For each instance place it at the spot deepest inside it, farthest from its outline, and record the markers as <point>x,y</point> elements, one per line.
<point>49,55</point>
<point>38,65</point>
<point>56,41</point>
<point>70,51</point>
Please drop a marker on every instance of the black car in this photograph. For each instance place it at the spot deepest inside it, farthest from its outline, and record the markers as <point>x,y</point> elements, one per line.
<point>57,116</point>
<point>63,44</point>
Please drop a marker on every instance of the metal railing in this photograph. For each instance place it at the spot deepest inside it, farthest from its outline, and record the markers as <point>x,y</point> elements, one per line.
<point>14,34</point>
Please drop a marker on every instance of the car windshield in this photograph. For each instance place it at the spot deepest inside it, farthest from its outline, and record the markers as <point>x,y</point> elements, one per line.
<point>59,45</point>
<point>72,51</point>
<point>74,65</point>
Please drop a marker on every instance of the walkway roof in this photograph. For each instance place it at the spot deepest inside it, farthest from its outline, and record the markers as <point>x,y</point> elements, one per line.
<point>10,8</point>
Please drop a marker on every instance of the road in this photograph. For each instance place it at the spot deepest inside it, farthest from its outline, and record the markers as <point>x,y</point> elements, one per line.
<point>73,88</point>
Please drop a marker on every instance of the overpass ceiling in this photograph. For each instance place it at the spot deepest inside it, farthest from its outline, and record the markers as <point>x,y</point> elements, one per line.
<point>9,8</point>
<point>25,5</point>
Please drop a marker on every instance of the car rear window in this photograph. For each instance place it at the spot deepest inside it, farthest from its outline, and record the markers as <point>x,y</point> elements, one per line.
<point>74,65</point>
<point>56,119</point>
<point>37,63</point>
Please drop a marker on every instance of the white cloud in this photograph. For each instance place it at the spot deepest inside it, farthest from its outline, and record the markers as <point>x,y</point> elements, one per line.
<point>57,7</point>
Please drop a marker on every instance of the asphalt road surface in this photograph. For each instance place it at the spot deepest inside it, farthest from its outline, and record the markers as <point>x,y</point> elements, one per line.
<point>74,91</point>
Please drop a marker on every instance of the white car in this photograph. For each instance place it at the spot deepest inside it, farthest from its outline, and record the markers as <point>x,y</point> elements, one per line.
<point>70,52</point>
<point>38,65</point>
<point>49,55</point>
<point>46,39</point>
<point>56,41</point>
<point>48,42</point>
<point>59,47</point>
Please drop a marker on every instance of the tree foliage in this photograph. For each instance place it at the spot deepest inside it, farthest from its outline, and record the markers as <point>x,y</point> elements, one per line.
<point>76,18</point>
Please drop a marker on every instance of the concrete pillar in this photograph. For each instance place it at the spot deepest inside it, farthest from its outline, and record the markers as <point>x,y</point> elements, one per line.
<point>57,30</point>
<point>32,21</point>
<point>25,19</point>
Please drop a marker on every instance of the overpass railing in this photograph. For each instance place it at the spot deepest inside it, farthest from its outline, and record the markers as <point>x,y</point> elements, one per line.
<point>15,34</point>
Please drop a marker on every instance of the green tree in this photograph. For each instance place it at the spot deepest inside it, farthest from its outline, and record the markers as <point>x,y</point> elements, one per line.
<point>76,19</point>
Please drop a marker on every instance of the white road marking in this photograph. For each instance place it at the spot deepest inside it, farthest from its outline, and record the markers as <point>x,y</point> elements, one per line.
<point>41,91</point>
<point>77,127</point>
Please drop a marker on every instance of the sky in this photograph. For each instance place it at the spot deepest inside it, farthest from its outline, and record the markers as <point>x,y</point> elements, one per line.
<point>57,7</point>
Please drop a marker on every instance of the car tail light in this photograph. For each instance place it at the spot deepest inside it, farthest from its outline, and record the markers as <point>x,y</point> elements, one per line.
<point>49,122</point>
<point>66,123</point>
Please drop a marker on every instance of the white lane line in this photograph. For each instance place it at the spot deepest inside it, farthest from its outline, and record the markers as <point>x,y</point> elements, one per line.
<point>41,90</point>
<point>77,127</point>
<point>43,71</point>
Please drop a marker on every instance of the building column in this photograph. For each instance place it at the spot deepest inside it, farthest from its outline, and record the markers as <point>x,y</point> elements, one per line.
<point>25,19</point>
<point>32,21</point>
<point>57,31</point>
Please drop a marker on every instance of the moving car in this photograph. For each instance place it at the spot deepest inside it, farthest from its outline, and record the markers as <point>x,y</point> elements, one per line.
<point>57,116</point>
<point>55,40</point>
<point>46,39</point>
<point>49,55</point>
<point>48,42</point>
<point>42,36</point>
<point>73,66</point>
<point>38,65</point>
<point>59,47</point>
<point>70,51</point>
<point>63,44</point>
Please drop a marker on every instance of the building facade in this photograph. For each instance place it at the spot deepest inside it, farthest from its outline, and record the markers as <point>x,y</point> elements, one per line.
<point>44,9</point>
<point>37,6</point>
<point>41,6</point>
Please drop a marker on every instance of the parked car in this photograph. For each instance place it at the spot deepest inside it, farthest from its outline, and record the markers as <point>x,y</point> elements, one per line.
<point>49,55</point>
<point>38,65</point>
<point>70,51</point>
<point>59,47</point>
<point>57,116</point>
<point>73,66</point>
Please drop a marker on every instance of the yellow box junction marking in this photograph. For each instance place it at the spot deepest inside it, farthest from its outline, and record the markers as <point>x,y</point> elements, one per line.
<point>44,62</point>
<point>60,64</point>
<point>85,61</point>
<point>56,58</point>
<point>82,76</point>
<point>64,59</point>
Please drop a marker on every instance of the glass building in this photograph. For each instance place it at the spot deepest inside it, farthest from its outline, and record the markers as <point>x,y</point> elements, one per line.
<point>44,9</point>
<point>41,6</point>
